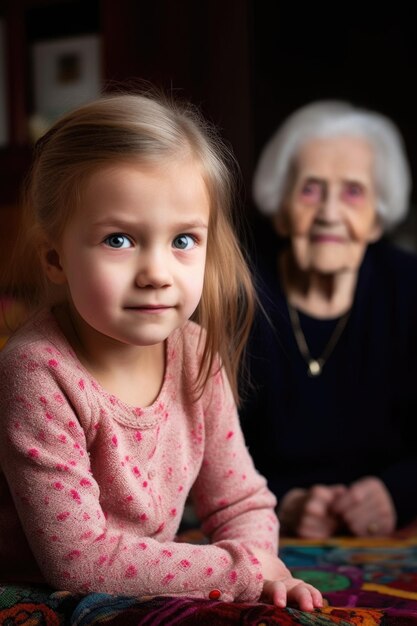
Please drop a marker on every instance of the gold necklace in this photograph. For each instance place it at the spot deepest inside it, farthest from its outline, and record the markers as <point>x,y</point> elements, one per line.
<point>315,366</point>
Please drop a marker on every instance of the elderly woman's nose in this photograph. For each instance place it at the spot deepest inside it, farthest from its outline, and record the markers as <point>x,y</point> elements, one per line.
<point>330,207</point>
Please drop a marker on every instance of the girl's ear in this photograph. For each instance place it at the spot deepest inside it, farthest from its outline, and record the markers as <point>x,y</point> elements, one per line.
<point>52,266</point>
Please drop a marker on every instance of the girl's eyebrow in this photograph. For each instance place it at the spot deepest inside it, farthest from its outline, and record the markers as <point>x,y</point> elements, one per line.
<point>127,223</point>
<point>197,223</point>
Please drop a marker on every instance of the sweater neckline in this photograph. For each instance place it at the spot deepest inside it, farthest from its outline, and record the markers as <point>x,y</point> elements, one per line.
<point>129,414</point>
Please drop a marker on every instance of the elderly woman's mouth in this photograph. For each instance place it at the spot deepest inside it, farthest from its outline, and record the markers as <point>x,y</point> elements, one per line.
<point>327,238</point>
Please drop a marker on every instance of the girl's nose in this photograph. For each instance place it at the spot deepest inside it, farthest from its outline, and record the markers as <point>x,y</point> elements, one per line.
<point>153,270</point>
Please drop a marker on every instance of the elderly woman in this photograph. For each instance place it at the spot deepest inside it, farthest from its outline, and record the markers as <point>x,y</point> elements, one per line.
<point>329,415</point>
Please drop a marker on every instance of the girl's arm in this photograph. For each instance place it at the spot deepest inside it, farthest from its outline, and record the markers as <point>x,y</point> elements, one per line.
<point>45,459</point>
<point>231,497</point>
<point>234,502</point>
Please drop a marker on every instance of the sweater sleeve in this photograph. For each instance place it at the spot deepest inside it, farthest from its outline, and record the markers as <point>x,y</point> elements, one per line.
<point>231,497</point>
<point>45,458</point>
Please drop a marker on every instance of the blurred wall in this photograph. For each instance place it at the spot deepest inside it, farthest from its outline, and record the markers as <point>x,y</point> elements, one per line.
<point>246,63</point>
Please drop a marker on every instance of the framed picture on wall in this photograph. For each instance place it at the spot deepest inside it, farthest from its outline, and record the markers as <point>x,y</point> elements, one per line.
<point>66,73</point>
<point>4,134</point>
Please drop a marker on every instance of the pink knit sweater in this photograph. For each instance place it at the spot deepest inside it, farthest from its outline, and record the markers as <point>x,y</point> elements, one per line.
<point>100,486</point>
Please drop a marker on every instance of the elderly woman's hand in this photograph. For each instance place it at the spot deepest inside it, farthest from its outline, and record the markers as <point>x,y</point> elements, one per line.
<point>309,513</point>
<point>367,508</point>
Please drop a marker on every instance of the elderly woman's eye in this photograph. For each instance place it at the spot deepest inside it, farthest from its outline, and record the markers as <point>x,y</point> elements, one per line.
<point>311,191</point>
<point>354,190</point>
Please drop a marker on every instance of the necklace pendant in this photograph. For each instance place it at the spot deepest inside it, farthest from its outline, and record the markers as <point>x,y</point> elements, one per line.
<point>314,368</point>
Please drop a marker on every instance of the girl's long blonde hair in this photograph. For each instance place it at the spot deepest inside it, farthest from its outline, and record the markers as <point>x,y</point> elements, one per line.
<point>147,128</point>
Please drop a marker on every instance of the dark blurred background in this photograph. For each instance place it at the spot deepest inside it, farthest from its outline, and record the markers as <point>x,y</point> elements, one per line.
<point>246,63</point>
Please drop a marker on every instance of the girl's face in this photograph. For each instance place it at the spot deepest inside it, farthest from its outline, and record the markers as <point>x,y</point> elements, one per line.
<point>133,254</point>
<point>330,212</point>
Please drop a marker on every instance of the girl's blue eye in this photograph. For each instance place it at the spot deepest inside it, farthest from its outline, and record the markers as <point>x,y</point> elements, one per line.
<point>183,242</point>
<point>118,241</point>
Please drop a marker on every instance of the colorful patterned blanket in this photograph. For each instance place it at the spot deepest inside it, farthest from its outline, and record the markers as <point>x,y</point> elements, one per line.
<point>366,583</point>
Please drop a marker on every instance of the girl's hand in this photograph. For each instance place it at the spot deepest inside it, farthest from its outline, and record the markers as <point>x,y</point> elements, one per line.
<point>280,587</point>
<point>292,591</point>
<point>367,508</point>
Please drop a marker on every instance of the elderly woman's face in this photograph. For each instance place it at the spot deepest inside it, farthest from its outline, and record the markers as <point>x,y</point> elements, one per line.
<point>329,213</point>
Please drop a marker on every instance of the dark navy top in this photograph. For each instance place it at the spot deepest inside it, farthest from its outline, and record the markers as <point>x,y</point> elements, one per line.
<point>357,418</point>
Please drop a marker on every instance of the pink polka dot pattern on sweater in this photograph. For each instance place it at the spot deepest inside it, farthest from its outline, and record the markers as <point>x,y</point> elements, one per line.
<point>102,485</point>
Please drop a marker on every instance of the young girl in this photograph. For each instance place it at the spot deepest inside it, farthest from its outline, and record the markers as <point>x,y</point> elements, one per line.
<point>113,404</point>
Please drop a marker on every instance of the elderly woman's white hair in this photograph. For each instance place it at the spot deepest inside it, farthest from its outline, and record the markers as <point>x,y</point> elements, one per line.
<point>329,119</point>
